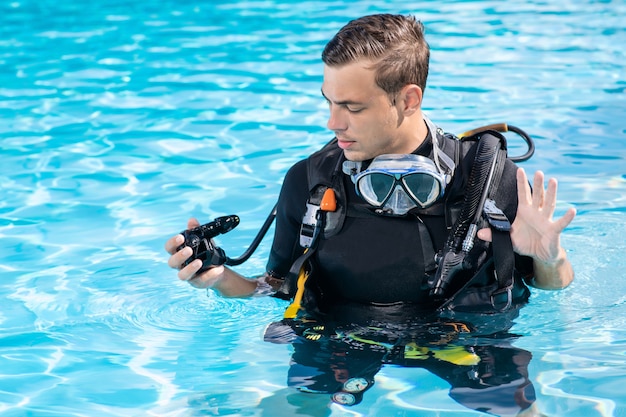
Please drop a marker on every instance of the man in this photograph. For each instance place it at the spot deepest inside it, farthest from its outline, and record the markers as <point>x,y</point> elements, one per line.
<point>374,77</point>
<point>372,256</point>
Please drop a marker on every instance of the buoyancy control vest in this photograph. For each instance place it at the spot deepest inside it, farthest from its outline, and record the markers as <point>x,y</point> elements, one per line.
<point>468,278</point>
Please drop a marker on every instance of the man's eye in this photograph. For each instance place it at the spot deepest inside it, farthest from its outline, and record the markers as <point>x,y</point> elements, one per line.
<point>355,109</point>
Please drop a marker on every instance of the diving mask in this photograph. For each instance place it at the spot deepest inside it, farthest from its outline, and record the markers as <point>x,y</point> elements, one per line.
<point>397,183</point>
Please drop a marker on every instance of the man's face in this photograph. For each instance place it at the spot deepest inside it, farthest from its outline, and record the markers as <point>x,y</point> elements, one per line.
<point>362,116</point>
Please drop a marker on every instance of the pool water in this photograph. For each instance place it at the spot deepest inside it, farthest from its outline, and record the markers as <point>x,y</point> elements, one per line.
<point>119,120</point>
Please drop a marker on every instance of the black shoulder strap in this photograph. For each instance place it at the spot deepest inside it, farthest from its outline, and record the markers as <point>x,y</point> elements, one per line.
<point>324,171</point>
<point>323,167</point>
<point>503,254</point>
<point>321,164</point>
<point>479,204</point>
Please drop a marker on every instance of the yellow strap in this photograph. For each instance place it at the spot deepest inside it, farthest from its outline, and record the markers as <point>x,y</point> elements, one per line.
<point>457,355</point>
<point>292,311</point>
<point>498,127</point>
<point>412,351</point>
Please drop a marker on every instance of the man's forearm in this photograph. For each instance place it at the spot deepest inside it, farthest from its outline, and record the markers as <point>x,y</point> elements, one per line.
<point>233,284</point>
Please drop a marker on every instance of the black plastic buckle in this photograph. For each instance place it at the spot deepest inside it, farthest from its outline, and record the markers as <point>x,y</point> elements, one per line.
<point>496,218</point>
<point>309,225</point>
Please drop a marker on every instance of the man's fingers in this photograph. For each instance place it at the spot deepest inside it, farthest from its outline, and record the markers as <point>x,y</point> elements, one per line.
<point>523,188</point>
<point>538,191</point>
<point>192,223</point>
<point>171,246</point>
<point>484,234</point>
<point>206,279</point>
<point>189,271</point>
<point>567,218</point>
<point>549,202</point>
<point>178,258</point>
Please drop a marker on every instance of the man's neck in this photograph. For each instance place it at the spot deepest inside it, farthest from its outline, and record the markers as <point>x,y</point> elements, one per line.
<point>416,132</point>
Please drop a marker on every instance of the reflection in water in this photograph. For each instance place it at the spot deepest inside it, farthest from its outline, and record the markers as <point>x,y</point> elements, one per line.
<point>474,355</point>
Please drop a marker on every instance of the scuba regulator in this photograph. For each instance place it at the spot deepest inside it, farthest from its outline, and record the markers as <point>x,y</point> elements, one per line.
<point>200,240</point>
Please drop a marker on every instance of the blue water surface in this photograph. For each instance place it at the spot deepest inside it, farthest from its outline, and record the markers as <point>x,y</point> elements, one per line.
<point>121,119</point>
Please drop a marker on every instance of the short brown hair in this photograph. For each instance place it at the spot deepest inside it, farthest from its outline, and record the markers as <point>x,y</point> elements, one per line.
<point>395,43</point>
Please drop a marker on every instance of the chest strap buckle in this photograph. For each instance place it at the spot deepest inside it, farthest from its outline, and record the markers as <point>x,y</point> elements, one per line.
<point>312,221</point>
<point>310,225</point>
<point>496,218</point>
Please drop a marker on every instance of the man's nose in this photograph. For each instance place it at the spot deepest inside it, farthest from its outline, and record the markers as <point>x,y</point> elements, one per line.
<point>336,121</point>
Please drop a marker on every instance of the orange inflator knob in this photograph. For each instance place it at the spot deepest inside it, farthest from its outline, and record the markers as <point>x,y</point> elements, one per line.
<point>329,201</point>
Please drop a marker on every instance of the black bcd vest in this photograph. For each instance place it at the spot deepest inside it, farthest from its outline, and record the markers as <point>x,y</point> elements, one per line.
<point>476,288</point>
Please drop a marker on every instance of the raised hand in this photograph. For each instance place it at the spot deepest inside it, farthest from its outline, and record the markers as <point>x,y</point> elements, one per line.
<point>536,234</point>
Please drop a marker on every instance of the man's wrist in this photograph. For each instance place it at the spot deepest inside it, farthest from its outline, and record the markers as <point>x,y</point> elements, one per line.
<point>557,262</point>
<point>553,275</point>
<point>267,284</point>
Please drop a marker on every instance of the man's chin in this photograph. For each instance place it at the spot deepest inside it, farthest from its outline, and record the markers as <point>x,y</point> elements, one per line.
<point>355,156</point>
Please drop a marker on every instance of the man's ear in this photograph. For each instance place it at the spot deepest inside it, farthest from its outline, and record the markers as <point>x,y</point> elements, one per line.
<point>411,101</point>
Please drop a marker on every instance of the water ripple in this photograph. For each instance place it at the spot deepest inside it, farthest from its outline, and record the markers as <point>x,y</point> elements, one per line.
<point>121,120</point>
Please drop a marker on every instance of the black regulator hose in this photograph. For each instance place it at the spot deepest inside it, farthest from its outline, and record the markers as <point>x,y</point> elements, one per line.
<point>529,141</point>
<point>255,243</point>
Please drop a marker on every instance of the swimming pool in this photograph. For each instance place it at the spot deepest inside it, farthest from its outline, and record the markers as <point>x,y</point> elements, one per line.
<point>119,120</point>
